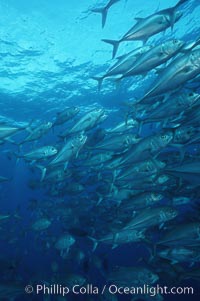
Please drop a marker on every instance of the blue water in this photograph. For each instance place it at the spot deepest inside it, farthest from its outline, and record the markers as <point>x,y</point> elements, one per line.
<point>49,51</point>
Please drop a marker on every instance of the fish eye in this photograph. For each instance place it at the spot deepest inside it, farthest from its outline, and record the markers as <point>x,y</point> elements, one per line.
<point>191,94</point>
<point>175,41</point>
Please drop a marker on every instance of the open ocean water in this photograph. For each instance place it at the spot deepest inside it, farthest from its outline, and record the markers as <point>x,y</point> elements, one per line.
<point>99,150</point>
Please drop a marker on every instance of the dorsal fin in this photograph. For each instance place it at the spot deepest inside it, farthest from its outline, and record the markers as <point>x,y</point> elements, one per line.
<point>139,19</point>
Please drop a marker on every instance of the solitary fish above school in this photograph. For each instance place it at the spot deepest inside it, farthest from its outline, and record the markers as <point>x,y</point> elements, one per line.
<point>149,26</point>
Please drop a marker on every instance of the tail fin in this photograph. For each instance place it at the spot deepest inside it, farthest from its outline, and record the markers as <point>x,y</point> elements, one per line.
<point>115,45</point>
<point>95,243</point>
<point>43,170</point>
<point>103,11</point>
<point>180,3</point>
<point>99,79</point>
<point>172,10</point>
<point>17,156</point>
<point>190,46</point>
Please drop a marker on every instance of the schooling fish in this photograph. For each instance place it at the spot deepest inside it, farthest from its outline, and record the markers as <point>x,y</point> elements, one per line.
<point>86,122</point>
<point>176,74</point>
<point>154,57</point>
<point>37,132</point>
<point>185,235</point>
<point>123,64</point>
<point>69,150</point>
<point>7,131</point>
<point>39,153</point>
<point>149,26</point>
<point>65,115</point>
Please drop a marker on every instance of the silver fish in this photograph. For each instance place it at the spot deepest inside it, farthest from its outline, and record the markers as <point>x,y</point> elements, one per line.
<point>65,115</point>
<point>88,121</point>
<point>149,26</point>
<point>39,153</point>
<point>185,234</point>
<point>152,217</point>
<point>123,64</point>
<point>176,74</point>
<point>154,57</point>
<point>37,132</point>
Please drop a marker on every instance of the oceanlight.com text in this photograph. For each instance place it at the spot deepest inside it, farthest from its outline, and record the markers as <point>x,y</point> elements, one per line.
<point>90,289</point>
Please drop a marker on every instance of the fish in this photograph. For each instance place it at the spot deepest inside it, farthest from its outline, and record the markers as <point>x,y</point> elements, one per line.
<point>104,10</point>
<point>148,146</point>
<point>41,153</point>
<point>86,122</point>
<point>141,201</point>
<point>151,217</point>
<point>65,115</point>
<point>41,224</point>
<point>64,243</point>
<point>123,64</point>
<point>180,254</point>
<point>7,131</point>
<point>37,132</point>
<point>56,174</point>
<point>176,74</point>
<point>118,143</point>
<point>188,171</point>
<point>187,234</point>
<point>4,217</point>
<point>172,108</point>
<point>122,237</point>
<point>130,276</point>
<point>3,179</point>
<point>156,56</point>
<point>149,26</point>
<point>69,150</point>
<point>123,127</point>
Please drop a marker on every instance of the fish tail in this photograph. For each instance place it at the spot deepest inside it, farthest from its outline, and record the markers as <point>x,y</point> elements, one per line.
<point>99,79</point>
<point>180,2</point>
<point>17,157</point>
<point>103,11</point>
<point>172,12</point>
<point>95,243</point>
<point>115,45</point>
<point>140,125</point>
<point>43,170</point>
